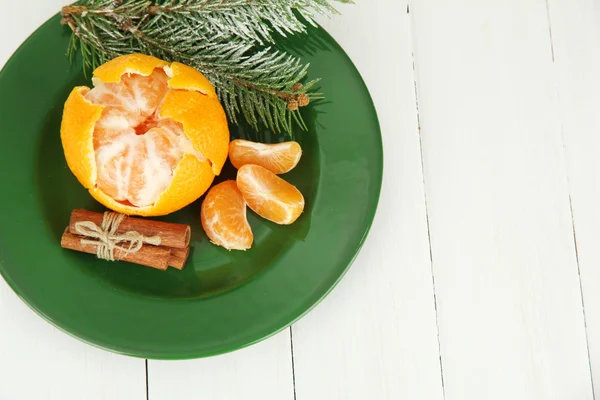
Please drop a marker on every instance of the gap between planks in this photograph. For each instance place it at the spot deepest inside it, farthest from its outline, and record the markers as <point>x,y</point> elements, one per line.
<point>557,90</point>
<point>147,385</point>
<point>293,368</point>
<point>418,116</point>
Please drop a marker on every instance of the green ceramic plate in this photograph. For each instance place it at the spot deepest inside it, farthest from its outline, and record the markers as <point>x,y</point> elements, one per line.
<point>222,300</point>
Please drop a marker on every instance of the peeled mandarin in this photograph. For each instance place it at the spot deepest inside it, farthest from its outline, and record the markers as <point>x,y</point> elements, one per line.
<point>268,195</point>
<point>278,158</point>
<point>223,216</point>
<point>148,138</point>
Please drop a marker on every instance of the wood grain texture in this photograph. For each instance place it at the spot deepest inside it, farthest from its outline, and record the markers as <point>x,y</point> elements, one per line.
<point>262,371</point>
<point>39,362</point>
<point>509,124</point>
<point>576,48</point>
<point>375,336</point>
<point>19,19</point>
<point>36,360</point>
<point>509,303</point>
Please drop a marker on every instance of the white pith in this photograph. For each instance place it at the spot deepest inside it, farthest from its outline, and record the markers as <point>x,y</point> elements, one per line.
<point>156,173</point>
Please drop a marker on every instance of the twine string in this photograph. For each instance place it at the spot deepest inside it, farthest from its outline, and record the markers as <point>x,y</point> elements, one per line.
<point>107,240</point>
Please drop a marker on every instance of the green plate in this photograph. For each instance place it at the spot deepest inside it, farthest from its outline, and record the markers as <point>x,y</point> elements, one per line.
<point>222,300</point>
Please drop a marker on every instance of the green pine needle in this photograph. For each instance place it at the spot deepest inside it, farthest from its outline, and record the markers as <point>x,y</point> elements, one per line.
<point>228,41</point>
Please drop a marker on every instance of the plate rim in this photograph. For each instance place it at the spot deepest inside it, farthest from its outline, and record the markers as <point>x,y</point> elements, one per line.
<point>371,215</point>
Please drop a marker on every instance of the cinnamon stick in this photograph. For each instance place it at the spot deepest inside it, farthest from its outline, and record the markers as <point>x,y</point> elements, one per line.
<point>151,256</point>
<point>178,257</point>
<point>171,235</point>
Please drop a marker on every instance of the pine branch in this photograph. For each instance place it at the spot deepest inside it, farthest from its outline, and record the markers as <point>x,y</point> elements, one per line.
<point>222,39</point>
<point>253,20</point>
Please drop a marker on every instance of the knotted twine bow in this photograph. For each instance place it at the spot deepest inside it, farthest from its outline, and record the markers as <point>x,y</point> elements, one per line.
<point>106,238</point>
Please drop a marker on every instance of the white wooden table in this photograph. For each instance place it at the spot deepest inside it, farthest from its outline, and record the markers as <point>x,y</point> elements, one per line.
<point>486,244</point>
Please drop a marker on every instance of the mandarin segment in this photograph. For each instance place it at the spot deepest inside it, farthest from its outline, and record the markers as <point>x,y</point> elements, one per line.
<point>191,179</point>
<point>117,100</point>
<point>134,99</point>
<point>268,195</point>
<point>166,145</point>
<point>114,166</point>
<point>138,185</point>
<point>148,91</point>
<point>223,217</point>
<point>278,158</point>
<point>110,126</point>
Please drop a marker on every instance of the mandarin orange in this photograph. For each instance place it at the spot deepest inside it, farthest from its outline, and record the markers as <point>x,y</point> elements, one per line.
<point>223,216</point>
<point>278,158</point>
<point>148,138</point>
<point>268,195</point>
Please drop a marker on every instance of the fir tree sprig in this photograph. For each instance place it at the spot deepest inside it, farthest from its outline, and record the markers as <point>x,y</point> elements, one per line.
<point>227,40</point>
<point>253,20</point>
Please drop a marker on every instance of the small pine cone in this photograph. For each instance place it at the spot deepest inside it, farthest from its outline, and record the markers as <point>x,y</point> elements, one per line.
<point>296,87</point>
<point>303,100</point>
<point>292,104</point>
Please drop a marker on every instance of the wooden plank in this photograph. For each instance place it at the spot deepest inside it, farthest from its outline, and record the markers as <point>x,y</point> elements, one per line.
<point>36,360</point>
<point>576,47</point>
<point>261,371</point>
<point>20,18</point>
<point>39,362</point>
<point>375,336</point>
<point>66,369</point>
<point>509,305</point>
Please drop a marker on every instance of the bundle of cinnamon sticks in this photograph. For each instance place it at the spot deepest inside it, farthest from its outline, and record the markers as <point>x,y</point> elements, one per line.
<point>172,251</point>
